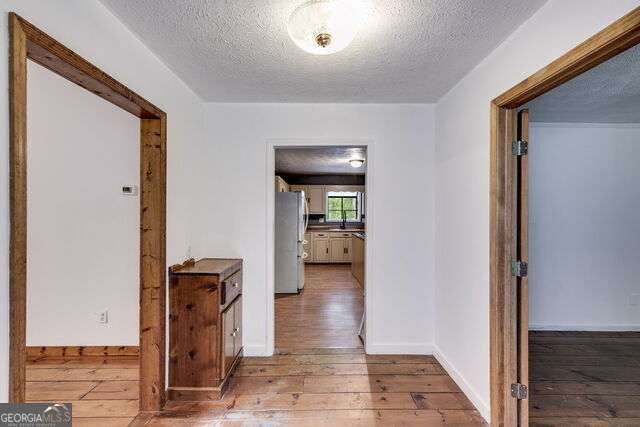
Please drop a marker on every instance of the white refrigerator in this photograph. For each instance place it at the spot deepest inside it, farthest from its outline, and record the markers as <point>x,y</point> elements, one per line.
<point>291,220</point>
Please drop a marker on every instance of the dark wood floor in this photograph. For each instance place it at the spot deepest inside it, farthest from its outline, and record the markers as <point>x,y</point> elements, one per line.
<point>584,378</point>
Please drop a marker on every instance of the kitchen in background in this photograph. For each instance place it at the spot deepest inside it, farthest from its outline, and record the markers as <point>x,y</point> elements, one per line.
<point>320,212</point>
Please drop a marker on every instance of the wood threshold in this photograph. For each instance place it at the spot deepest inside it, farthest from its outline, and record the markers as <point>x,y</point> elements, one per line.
<point>28,42</point>
<point>616,38</point>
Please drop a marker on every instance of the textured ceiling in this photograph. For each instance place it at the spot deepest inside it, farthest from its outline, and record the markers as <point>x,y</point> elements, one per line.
<point>608,93</point>
<point>240,51</point>
<point>319,160</point>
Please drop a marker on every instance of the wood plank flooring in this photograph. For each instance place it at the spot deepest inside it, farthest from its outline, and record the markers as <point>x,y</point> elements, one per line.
<point>103,390</point>
<point>584,378</point>
<point>327,313</point>
<point>320,375</point>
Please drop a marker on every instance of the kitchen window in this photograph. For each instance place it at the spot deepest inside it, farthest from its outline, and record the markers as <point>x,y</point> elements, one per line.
<point>343,206</point>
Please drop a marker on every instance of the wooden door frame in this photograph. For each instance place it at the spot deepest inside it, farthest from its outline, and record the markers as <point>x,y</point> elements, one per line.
<point>617,37</point>
<point>28,42</point>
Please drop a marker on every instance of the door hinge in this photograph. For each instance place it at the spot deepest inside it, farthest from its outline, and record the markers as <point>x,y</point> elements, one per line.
<point>519,268</point>
<point>519,391</point>
<point>519,147</point>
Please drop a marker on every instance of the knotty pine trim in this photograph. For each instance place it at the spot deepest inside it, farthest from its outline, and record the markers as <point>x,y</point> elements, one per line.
<point>28,42</point>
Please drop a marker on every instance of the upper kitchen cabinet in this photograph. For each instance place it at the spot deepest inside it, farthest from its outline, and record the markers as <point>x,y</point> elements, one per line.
<point>281,185</point>
<point>314,195</point>
<point>316,199</point>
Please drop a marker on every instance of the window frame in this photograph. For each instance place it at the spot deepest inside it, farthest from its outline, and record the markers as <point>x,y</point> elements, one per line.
<point>356,195</point>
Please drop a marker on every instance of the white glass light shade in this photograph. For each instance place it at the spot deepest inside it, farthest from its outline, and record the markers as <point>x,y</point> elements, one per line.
<point>356,163</point>
<point>339,19</point>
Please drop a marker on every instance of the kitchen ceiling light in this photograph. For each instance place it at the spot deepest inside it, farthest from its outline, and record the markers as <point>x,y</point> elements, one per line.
<point>323,27</point>
<point>356,163</point>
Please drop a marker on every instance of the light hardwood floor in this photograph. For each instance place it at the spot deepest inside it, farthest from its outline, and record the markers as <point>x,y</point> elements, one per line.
<point>320,375</point>
<point>326,314</point>
<point>584,378</point>
<point>102,390</point>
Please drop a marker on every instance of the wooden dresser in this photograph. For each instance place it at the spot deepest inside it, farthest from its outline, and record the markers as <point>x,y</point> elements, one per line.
<point>205,330</point>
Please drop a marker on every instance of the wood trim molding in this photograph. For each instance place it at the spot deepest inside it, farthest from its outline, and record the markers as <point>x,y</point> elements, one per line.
<point>77,351</point>
<point>617,37</point>
<point>28,42</point>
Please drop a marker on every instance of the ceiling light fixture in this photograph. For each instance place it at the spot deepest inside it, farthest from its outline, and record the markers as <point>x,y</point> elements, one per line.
<point>323,27</point>
<point>356,163</point>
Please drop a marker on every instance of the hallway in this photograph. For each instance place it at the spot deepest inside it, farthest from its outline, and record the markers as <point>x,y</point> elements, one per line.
<point>326,314</point>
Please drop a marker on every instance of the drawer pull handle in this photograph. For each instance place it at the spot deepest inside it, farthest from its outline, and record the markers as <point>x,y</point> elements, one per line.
<point>233,334</point>
<point>235,285</point>
<point>236,330</point>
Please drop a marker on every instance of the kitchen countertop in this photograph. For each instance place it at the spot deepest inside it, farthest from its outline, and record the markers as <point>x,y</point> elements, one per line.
<point>362,235</point>
<point>313,228</point>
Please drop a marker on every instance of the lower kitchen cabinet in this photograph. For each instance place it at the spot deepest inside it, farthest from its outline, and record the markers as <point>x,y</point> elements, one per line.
<point>321,249</point>
<point>205,328</point>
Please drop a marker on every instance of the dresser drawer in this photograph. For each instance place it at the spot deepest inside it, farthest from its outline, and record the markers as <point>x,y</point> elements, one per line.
<point>231,288</point>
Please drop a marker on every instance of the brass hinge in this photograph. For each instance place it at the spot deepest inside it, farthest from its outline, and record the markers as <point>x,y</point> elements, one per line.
<point>519,391</point>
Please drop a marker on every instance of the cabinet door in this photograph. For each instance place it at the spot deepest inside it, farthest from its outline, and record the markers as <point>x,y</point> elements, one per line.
<point>337,249</point>
<point>228,338</point>
<point>321,250</point>
<point>316,199</point>
<point>348,242</point>
<point>237,321</point>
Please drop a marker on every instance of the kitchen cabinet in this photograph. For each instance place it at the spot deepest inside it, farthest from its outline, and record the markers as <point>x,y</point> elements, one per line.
<point>205,328</point>
<point>340,247</point>
<point>315,196</point>
<point>316,199</point>
<point>336,250</point>
<point>281,185</point>
<point>357,262</point>
<point>321,248</point>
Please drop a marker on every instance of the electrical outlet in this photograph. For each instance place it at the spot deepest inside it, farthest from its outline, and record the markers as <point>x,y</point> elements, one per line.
<point>102,316</point>
<point>634,301</point>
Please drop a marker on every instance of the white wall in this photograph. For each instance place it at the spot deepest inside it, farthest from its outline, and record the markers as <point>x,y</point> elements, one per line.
<point>584,227</point>
<point>462,179</point>
<point>233,205</point>
<point>82,233</point>
<point>88,28</point>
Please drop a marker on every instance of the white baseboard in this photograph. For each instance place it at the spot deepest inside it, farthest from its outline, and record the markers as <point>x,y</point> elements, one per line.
<point>588,328</point>
<point>255,351</point>
<point>399,349</point>
<point>466,388</point>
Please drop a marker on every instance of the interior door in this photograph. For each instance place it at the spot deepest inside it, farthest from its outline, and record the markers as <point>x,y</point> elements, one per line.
<point>522,255</point>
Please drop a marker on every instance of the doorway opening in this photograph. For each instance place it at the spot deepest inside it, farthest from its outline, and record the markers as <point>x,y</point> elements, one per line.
<point>529,370</point>
<point>319,249</point>
<point>29,43</point>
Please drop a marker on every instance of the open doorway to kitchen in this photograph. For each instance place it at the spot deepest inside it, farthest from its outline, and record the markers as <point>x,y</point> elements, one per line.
<point>319,248</point>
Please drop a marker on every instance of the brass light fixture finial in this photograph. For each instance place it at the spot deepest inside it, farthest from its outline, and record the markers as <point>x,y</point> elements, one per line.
<point>323,39</point>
